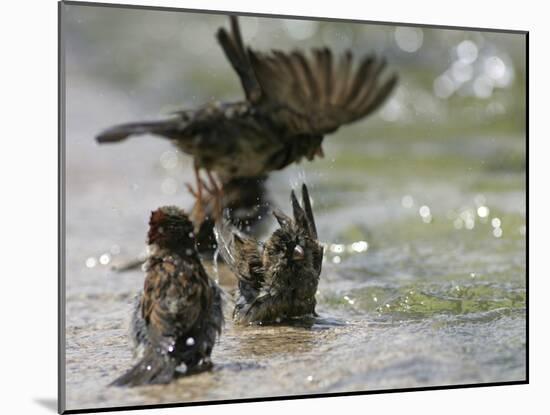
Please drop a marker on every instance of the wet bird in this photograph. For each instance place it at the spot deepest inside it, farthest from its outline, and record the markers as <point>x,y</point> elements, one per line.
<point>292,101</point>
<point>178,316</point>
<point>278,279</point>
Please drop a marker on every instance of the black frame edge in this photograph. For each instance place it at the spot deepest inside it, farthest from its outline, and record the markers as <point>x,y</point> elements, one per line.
<point>61,366</point>
<point>61,214</point>
<point>292,397</point>
<point>527,206</point>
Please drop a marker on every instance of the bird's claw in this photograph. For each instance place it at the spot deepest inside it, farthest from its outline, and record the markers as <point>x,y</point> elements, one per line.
<point>214,192</point>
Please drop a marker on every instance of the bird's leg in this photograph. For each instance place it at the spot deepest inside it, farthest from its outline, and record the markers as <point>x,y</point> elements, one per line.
<point>216,192</point>
<point>198,210</point>
<point>209,200</point>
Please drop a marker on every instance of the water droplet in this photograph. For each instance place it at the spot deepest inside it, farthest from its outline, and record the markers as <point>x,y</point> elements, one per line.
<point>190,341</point>
<point>169,160</point>
<point>483,211</point>
<point>495,67</point>
<point>169,186</point>
<point>392,110</point>
<point>407,201</point>
<point>336,259</point>
<point>467,214</point>
<point>360,246</point>
<point>91,262</point>
<point>483,86</point>
<point>182,368</point>
<point>215,263</point>
<point>444,86</point>
<point>467,51</point>
<point>337,248</point>
<point>472,274</point>
<point>495,222</point>
<point>409,39</point>
<point>497,232</point>
<point>461,71</point>
<point>310,378</point>
<point>458,223</point>
<point>424,211</point>
<point>148,367</point>
<point>104,259</point>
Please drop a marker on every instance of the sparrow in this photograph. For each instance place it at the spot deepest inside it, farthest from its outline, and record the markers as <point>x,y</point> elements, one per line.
<point>278,279</point>
<point>178,315</point>
<point>292,100</point>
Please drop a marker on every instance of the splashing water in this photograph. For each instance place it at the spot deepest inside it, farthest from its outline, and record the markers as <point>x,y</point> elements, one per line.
<point>215,264</point>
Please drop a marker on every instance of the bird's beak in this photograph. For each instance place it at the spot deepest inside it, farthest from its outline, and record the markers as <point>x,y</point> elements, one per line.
<point>298,254</point>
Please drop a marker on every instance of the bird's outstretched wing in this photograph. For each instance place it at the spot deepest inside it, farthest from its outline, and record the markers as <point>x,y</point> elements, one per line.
<point>308,95</point>
<point>234,49</point>
<point>241,253</point>
<point>303,216</point>
<point>305,223</point>
<point>315,95</point>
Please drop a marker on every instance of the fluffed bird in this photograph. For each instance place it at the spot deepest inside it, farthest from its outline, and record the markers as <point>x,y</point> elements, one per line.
<point>292,101</point>
<point>178,315</point>
<point>278,279</point>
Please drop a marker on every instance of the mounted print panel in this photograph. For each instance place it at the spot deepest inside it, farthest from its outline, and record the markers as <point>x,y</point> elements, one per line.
<point>258,207</point>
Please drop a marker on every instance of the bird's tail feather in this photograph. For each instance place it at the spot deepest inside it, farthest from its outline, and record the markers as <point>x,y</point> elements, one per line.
<point>151,369</point>
<point>167,128</point>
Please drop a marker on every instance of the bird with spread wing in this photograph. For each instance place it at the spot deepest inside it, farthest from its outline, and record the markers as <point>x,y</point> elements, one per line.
<point>292,101</point>
<point>278,278</point>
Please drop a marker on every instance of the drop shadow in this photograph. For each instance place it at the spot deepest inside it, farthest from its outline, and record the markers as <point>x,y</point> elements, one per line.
<point>48,403</point>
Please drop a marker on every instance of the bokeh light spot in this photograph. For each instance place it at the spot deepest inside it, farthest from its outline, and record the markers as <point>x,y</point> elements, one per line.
<point>409,39</point>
